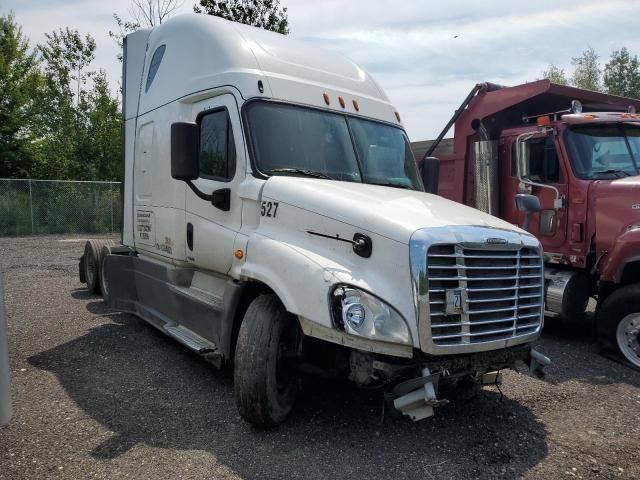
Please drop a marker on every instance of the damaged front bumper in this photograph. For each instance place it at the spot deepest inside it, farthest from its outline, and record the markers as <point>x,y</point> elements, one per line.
<point>415,393</point>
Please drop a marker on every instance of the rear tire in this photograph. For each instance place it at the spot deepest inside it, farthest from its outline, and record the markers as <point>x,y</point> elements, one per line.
<point>265,377</point>
<point>619,323</point>
<point>102,275</point>
<point>92,263</point>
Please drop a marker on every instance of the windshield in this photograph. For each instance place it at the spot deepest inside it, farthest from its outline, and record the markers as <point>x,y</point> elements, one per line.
<point>604,151</point>
<point>293,140</point>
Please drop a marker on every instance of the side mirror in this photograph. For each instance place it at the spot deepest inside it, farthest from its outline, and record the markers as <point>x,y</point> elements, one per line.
<point>430,172</point>
<point>527,203</point>
<point>185,143</point>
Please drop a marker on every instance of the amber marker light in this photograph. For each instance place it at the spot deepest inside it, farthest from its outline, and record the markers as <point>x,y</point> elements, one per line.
<point>326,98</point>
<point>342,102</point>
<point>543,121</point>
<point>397,116</point>
<point>356,105</point>
<point>239,254</point>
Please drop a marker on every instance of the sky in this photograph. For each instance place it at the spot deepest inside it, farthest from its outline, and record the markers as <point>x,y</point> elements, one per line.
<point>427,55</point>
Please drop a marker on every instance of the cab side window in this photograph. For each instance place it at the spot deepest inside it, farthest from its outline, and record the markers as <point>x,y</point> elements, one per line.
<point>217,148</point>
<point>154,65</point>
<point>542,160</point>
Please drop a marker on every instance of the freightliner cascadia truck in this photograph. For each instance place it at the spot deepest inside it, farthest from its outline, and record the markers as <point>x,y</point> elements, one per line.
<point>275,222</point>
<point>578,152</point>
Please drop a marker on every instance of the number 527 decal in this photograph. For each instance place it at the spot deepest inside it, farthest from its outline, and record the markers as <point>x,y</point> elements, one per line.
<point>269,209</point>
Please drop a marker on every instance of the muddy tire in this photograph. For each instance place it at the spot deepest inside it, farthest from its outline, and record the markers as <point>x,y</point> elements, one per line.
<point>266,382</point>
<point>618,323</point>
<point>92,262</point>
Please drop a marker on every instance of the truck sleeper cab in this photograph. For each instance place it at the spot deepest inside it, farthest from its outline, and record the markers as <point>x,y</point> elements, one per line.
<point>274,219</point>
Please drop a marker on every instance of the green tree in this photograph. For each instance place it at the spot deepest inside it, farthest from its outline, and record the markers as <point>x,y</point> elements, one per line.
<point>586,70</point>
<point>555,74</point>
<point>99,148</point>
<point>622,74</point>
<point>20,83</point>
<point>265,14</point>
<point>67,55</point>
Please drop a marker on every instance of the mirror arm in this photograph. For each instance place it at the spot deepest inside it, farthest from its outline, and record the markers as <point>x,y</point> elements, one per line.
<point>219,198</point>
<point>559,200</point>
<point>198,192</point>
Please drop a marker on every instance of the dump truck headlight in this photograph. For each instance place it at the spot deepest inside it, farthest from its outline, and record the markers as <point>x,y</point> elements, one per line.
<point>360,313</point>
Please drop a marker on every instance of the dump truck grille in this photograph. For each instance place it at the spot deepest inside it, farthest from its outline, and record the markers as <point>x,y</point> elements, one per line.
<point>483,295</point>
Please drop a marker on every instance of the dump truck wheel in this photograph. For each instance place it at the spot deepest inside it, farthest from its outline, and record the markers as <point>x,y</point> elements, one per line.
<point>102,276</point>
<point>92,263</point>
<point>265,377</point>
<point>619,323</point>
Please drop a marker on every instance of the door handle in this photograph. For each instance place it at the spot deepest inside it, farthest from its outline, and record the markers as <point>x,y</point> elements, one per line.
<point>190,236</point>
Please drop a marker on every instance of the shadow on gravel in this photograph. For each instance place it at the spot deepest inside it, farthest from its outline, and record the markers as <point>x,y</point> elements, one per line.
<point>150,390</point>
<point>82,294</point>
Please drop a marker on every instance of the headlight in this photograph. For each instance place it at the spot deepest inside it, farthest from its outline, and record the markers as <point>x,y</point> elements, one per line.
<point>360,313</point>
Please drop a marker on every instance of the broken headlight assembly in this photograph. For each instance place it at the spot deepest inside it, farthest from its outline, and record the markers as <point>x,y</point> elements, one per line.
<point>361,314</point>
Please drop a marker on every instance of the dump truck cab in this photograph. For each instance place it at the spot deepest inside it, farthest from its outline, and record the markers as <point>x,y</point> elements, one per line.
<point>578,153</point>
<point>275,221</point>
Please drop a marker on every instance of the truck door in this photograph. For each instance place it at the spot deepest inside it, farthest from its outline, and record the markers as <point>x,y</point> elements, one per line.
<point>211,230</point>
<point>543,167</point>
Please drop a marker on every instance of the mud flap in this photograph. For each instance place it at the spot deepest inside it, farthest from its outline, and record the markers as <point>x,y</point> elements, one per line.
<point>83,278</point>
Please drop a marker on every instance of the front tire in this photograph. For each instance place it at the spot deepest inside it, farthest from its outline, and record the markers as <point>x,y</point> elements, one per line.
<point>619,323</point>
<point>265,376</point>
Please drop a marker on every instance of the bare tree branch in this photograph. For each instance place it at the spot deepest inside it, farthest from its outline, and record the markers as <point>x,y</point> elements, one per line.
<point>153,12</point>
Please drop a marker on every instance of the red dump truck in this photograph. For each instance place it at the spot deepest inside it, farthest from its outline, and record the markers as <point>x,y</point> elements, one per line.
<point>572,159</point>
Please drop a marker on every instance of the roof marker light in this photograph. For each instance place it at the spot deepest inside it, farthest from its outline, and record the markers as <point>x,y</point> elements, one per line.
<point>543,121</point>
<point>326,98</point>
<point>356,105</point>
<point>342,102</point>
<point>397,116</point>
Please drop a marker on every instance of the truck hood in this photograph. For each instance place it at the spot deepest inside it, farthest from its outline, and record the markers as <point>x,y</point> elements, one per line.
<point>616,206</point>
<point>391,212</point>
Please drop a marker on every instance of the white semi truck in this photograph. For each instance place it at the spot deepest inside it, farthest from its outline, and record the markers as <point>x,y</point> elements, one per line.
<point>274,220</point>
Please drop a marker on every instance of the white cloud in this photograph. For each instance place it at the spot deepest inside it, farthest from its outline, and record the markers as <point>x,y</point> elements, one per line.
<point>408,46</point>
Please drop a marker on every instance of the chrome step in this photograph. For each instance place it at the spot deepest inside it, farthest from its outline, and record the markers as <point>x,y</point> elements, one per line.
<point>192,340</point>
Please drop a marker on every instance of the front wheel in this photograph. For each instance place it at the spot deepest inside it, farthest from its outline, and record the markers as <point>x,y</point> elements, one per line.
<point>265,376</point>
<point>619,323</point>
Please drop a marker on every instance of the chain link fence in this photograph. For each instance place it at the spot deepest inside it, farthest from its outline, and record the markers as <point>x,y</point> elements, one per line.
<point>36,207</point>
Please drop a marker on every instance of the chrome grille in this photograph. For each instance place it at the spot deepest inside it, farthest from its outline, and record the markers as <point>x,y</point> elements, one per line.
<point>483,295</point>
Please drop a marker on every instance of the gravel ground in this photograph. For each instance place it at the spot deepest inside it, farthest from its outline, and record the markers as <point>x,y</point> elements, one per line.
<point>100,395</point>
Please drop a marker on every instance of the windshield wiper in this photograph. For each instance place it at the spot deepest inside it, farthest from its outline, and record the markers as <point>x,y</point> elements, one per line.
<point>391,184</point>
<point>301,171</point>
<point>612,171</point>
